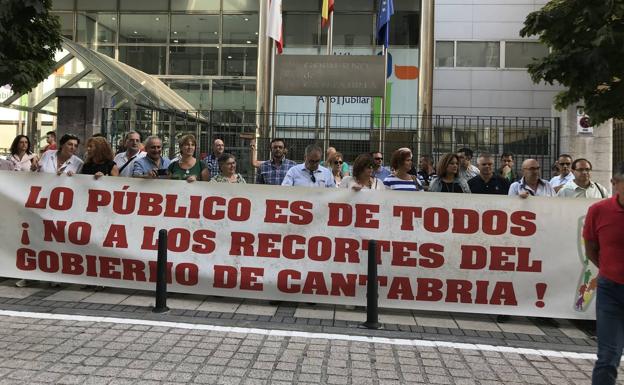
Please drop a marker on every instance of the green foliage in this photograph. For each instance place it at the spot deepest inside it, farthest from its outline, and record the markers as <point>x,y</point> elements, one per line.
<point>586,38</point>
<point>29,38</point>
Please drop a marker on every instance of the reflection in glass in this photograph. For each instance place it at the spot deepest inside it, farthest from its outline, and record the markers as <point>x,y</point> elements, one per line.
<point>195,92</point>
<point>233,95</point>
<point>202,29</point>
<point>444,54</point>
<point>195,5</point>
<point>239,61</point>
<point>138,29</point>
<point>96,28</point>
<point>520,54</point>
<point>241,5</point>
<point>240,29</point>
<point>147,59</point>
<point>193,61</point>
<point>301,29</point>
<point>478,54</point>
<point>63,5</point>
<point>301,5</point>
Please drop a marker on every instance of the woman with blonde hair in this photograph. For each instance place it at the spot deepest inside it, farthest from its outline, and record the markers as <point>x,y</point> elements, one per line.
<point>335,163</point>
<point>188,168</point>
<point>99,158</point>
<point>448,179</point>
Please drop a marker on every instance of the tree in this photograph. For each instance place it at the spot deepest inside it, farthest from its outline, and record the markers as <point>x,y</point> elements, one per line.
<point>29,38</point>
<point>586,38</point>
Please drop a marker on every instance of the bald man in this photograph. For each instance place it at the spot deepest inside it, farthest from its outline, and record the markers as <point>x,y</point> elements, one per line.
<point>531,182</point>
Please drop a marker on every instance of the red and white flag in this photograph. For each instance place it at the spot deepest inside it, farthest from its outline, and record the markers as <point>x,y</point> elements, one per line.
<point>274,24</point>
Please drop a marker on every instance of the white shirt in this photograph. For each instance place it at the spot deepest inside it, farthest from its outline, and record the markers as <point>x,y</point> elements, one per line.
<point>299,175</point>
<point>572,190</point>
<point>469,173</point>
<point>544,189</point>
<point>48,163</point>
<point>558,180</point>
<point>349,181</point>
<point>122,158</point>
<point>22,164</point>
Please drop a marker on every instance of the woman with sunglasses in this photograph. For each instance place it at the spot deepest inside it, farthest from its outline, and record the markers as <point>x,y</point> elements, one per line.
<point>400,179</point>
<point>448,179</point>
<point>335,163</point>
<point>22,157</point>
<point>227,170</point>
<point>362,178</point>
<point>63,160</point>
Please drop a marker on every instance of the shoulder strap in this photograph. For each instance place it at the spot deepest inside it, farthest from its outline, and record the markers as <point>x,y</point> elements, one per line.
<point>600,190</point>
<point>127,163</point>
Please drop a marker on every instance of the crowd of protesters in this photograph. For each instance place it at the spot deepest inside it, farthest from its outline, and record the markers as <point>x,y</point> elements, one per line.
<point>453,173</point>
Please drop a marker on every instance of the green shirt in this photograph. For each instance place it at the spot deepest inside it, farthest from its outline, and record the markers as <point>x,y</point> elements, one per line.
<point>177,172</point>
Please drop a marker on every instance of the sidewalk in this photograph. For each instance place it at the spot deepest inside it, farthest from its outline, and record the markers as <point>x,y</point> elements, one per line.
<point>112,337</point>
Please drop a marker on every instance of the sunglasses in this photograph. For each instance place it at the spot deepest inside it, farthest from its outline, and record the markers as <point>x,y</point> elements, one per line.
<point>378,158</point>
<point>338,162</point>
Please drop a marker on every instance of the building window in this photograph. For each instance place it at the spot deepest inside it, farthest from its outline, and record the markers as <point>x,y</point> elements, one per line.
<point>96,5</point>
<point>445,54</point>
<point>195,5</point>
<point>301,29</point>
<point>301,5</point>
<point>67,23</point>
<point>241,5</point>
<point>520,54</point>
<point>194,29</point>
<point>405,29</point>
<point>137,28</point>
<point>478,54</point>
<point>63,5</point>
<point>193,60</point>
<point>239,61</point>
<point>143,5</point>
<point>240,29</point>
<point>96,28</point>
<point>150,60</point>
<point>352,30</point>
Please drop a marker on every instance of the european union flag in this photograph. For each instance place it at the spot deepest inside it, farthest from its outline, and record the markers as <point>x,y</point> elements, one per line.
<point>386,10</point>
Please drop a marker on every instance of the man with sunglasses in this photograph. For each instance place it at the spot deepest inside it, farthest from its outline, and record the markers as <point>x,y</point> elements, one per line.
<point>310,173</point>
<point>565,175</point>
<point>379,171</point>
<point>531,183</point>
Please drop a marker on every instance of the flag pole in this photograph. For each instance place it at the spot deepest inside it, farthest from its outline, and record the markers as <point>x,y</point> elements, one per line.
<point>382,131</point>
<point>330,38</point>
<point>273,95</point>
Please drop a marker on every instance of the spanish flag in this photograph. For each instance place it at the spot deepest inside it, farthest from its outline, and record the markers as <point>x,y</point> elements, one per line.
<point>328,7</point>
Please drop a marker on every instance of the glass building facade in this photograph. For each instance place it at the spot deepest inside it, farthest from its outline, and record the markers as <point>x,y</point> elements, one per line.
<point>207,50</point>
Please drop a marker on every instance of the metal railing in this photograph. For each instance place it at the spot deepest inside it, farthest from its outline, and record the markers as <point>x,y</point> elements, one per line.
<point>352,135</point>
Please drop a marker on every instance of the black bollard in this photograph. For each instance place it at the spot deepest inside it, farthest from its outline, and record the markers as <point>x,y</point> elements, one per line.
<point>372,289</point>
<point>161,274</point>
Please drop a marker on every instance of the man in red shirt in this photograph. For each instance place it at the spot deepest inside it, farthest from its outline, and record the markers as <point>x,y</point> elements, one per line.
<point>604,246</point>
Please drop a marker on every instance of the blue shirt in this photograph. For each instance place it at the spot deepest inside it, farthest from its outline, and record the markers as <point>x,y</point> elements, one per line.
<point>299,175</point>
<point>271,173</point>
<point>382,173</point>
<point>212,162</point>
<point>145,165</point>
<point>398,184</point>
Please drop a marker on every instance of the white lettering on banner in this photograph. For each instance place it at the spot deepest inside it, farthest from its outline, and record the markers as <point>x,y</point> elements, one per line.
<point>480,254</point>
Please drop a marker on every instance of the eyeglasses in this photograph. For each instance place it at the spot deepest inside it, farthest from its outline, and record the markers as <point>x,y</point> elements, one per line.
<point>564,163</point>
<point>338,162</point>
<point>313,161</point>
<point>378,158</point>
